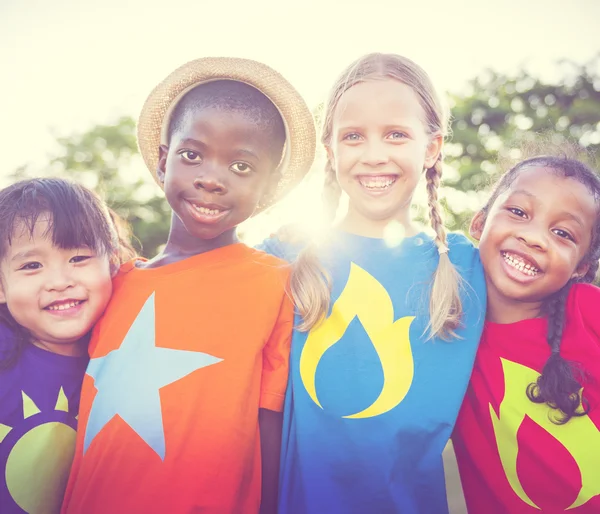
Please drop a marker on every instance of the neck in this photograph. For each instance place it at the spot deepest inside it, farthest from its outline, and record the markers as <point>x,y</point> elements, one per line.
<point>75,349</point>
<point>505,310</point>
<point>182,245</point>
<point>379,229</point>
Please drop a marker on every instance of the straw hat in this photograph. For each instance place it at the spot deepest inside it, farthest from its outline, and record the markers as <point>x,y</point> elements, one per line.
<point>299,125</point>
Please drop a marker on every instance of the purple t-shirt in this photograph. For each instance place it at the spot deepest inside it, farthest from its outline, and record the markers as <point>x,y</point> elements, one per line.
<point>39,401</point>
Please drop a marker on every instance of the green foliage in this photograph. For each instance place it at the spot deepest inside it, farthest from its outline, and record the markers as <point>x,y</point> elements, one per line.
<point>106,160</point>
<point>492,118</point>
<point>500,114</point>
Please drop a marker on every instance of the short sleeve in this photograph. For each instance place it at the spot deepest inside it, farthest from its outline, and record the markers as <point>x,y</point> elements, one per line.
<point>8,344</point>
<point>276,357</point>
<point>583,303</point>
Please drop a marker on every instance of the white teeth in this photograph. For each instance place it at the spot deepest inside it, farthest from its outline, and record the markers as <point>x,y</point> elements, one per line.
<point>63,306</point>
<point>376,182</point>
<point>204,210</point>
<point>518,263</point>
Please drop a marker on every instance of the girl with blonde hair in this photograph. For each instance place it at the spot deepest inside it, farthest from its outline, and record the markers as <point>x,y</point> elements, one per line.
<point>386,334</point>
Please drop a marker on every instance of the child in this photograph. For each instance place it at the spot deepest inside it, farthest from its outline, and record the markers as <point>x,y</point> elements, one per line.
<point>528,442</point>
<point>57,248</point>
<point>374,390</point>
<point>196,340</point>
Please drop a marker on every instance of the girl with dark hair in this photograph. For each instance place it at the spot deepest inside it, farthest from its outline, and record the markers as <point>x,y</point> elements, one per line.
<point>527,438</point>
<point>59,247</point>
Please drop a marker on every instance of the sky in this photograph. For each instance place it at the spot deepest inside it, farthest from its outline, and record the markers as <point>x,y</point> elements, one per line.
<point>69,64</point>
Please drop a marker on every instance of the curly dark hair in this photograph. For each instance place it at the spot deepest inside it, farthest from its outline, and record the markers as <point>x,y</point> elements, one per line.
<point>559,385</point>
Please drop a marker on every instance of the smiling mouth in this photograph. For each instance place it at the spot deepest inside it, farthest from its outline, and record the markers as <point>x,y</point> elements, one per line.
<point>63,305</point>
<point>521,264</point>
<point>205,210</point>
<point>377,182</point>
<point>206,213</point>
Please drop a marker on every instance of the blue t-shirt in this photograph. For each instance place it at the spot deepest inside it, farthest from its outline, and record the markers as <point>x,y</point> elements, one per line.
<point>39,401</point>
<point>371,402</point>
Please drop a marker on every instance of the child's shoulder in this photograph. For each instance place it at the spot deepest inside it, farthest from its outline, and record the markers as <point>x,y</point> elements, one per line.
<point>586,299</point>
<point>462,250</point>
<point>460,242</point>
<point>282,249</point>
<point>269,263</point>
<point>7,342</point>
<point>582,310</point>
<point>6,334</point>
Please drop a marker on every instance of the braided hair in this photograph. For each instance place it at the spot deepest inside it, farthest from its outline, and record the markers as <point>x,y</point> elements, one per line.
<point>310,283</point>
<point>559,385</point>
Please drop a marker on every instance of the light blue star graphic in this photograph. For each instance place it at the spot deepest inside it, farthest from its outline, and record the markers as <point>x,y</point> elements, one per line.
<point>128,381</point>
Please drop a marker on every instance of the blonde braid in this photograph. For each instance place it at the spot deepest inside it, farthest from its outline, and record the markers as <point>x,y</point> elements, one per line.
<point>445,308</point>
<point>310,283</point>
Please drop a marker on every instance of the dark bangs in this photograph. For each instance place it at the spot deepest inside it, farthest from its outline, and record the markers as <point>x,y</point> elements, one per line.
<point>76,217</point>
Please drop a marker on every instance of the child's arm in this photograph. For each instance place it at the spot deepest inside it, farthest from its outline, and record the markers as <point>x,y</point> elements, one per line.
<point>286,243</point>
<point>276,355</point>
<point>270,425</point>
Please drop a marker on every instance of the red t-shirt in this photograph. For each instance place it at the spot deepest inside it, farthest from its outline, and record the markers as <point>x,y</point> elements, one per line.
<point>512,458</point>
<point>181,362</point>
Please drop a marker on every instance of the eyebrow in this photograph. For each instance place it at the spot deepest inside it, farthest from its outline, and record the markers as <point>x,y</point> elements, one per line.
<point>523,192</point>
<point>572,216</point>
<point>190,141</point>
<point>24,255</point>
<point>245,151</point>
<point>236,151</point>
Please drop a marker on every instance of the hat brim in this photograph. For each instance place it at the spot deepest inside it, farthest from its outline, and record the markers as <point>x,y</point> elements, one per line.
<point>300,142</point>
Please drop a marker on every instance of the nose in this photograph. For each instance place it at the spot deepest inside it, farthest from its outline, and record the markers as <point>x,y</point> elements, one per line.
<point>60,279</point>
<point>533,236</point>
<point>375,153</point>
<point>211,182</point>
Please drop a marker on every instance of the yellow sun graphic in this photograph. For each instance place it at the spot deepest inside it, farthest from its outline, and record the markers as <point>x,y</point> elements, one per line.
<point>38,465</point>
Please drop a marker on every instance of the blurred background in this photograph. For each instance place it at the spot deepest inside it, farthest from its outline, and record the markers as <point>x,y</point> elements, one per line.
<point>75,75</point>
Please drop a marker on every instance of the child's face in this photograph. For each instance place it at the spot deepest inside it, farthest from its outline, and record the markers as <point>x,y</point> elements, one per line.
<point>218,166</point>
<point>56,294</point>
<point>379,148</point>
<point>535,236</point>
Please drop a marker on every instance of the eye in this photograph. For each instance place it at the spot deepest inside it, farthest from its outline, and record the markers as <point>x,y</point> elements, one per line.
<point>30,266</point>
<point>397,135</point>
<point>190,156</point>
<point>79,258</point>
<point>563,234</point>
<point>517,212</point>
<point>352,136</point>
<point>241,167</point>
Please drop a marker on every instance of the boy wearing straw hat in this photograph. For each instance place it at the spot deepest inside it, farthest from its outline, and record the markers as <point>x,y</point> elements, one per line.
<point>192,351</point>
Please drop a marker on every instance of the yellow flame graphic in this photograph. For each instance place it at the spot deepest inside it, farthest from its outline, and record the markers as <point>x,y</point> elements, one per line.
<point>364,297</point>
<point>577,436</point>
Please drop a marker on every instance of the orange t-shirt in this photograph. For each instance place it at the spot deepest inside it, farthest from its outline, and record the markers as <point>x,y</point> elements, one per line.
<point>181,362</point>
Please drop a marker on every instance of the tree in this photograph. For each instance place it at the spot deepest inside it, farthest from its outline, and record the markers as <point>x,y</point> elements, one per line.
<point>106,160</point>
<point>491,118</point>
<point>499,113</point>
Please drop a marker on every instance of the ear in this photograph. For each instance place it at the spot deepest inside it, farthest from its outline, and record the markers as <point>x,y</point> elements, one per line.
<point>581,270</point>
<point>2,295</point>
<point>433,150</point>
<point>476,227</point>
<point>330,156</point>
<point>161,167</point>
